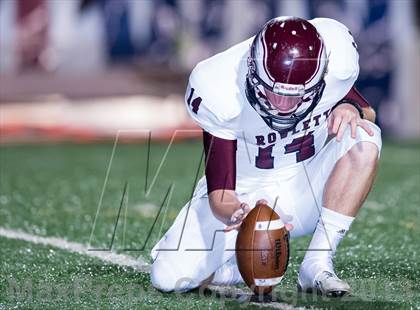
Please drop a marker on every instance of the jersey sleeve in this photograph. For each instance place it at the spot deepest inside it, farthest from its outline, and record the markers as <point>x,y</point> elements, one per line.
<point>207,113</point>
<point>355,95</point>
<point>343,58</point>
<point>220,165</point>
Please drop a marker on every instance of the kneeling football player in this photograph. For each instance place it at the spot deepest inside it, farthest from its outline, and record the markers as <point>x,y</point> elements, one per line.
<point>282,122</point>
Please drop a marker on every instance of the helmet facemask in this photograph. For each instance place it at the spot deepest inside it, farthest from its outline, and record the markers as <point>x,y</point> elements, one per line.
<point>258,94</point>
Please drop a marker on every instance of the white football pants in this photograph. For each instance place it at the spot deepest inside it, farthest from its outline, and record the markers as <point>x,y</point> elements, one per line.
<point>195,246</point>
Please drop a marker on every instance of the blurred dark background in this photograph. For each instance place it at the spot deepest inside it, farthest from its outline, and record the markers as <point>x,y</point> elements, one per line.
<point>73,51</point>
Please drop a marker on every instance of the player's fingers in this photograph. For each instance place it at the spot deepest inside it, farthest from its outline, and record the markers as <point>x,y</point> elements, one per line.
<point>262,201</point>
<point>329,122</point>
<point>366,127</point>
<point>245,206</point>
<point>353,128</point>
<point>246,209</point>
<point>288,226</point>
<point>227,229</point>
<point>231,227</point>
<point>236,217</point>
<point>336,125</point>
<point>239,214</point>
<point>342,129</point>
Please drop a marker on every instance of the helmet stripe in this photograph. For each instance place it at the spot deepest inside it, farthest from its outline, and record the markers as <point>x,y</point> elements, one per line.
<point>318,63</point>
<point>265,57</point>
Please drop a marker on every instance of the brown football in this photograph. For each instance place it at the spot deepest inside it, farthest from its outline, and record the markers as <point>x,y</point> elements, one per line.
<point>262,249</point>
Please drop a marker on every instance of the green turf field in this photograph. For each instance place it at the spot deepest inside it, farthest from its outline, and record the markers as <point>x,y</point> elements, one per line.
<point>55,191</point>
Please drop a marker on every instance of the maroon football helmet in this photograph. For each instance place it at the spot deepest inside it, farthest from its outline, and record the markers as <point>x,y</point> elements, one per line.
<point>286,69</point>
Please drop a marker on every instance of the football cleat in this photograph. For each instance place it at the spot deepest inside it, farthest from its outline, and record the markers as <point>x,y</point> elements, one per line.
<point>325,283</point>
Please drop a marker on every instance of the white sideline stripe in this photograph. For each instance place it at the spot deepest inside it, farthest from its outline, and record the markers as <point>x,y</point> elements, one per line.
<point>106,256</point>
<point>269,225</point>
<point>110,257</point>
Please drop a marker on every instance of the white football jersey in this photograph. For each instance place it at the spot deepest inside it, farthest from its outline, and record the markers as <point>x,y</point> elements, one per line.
<point>216,100</point>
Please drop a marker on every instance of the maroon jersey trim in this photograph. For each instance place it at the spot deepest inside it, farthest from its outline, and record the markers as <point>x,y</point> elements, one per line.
<point>220,162</point>
<point>354,95</point>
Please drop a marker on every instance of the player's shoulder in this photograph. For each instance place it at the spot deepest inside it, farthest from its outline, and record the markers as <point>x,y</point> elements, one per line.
<point>343,58</point>
<point>219,80</point>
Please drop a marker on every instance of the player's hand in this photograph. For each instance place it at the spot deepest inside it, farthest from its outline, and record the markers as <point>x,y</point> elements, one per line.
<point>344,115</point>
<point>239,215</point>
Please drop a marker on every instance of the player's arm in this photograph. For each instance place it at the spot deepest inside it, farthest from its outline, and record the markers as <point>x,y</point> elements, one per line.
<point>221,180</point>
<point>219,138</point>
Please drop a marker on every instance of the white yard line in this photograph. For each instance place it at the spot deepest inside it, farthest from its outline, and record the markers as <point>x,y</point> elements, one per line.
<point>116,259</point>
<point>106,256</point>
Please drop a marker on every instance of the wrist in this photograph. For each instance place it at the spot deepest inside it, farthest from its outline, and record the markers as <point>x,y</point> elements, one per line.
<point>223,203</point>
<point>352,103</point>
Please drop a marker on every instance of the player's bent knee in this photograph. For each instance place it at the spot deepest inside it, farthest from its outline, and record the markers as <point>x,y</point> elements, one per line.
<point>364,154</point>
<point>165,278</point>
<point>370,142</point>
<point>366,149</point>
<point>161,279</point>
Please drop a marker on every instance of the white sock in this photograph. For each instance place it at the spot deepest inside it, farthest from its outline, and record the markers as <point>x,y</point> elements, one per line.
<point>227,274</point>
<point>330,230</point>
